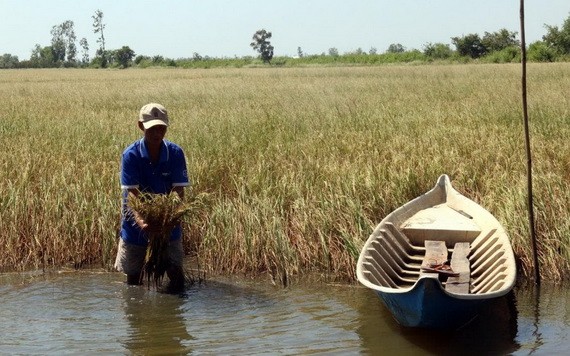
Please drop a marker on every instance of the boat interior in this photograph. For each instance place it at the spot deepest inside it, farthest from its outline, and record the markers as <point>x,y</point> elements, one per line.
<point>465,261</point>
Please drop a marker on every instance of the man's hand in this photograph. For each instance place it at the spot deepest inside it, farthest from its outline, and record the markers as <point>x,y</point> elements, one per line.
<point>143,225</point>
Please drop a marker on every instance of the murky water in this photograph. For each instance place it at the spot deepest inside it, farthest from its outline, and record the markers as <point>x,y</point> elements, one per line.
<point>90,312</point>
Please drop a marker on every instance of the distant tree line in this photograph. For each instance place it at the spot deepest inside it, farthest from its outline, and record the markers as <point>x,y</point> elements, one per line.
<point>63,50</point>
<point>497,47</point>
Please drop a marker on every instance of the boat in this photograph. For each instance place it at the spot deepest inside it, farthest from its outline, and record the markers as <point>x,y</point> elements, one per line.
<point>436,261</point>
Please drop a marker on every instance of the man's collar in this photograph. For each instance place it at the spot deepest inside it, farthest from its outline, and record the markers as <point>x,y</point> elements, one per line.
<point>164,154</point>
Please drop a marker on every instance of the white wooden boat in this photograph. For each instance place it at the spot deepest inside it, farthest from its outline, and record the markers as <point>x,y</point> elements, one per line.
<point>438,259</point>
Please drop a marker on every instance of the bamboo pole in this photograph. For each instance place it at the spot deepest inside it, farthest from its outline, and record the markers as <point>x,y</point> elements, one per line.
<point>528,151</point>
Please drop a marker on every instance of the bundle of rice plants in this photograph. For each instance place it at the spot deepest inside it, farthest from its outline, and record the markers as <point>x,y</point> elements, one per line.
<point>162,212</point>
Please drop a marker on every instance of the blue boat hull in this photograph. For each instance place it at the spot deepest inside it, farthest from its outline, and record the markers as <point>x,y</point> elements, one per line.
<point>427,305</point>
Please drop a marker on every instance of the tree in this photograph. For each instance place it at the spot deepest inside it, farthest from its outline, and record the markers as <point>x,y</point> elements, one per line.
<point>85,47</point>
<point>42,57</point>
<point>63,42</point>
<point>558,39</point>
<point>395,48</point>
<point>157,60</point>
<point>540,52</point>
<point>437,50</point>
<point>124,56</point>
<point>8,61</point>
<point>35,57</point>
<point>498,41</point>
<point>70,38</point>
<point>300,53</point>
<point>469,45</point>
<point>57,43</point>
<point>333,52</point>
<point>98,27</point>
<point>262,45</point>
<point>140,58</point>
<point>359,51</point>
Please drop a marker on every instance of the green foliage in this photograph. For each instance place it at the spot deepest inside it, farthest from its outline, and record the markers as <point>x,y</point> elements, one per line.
<point>124,56</point>
<point>42,57</point>
<point>469,45</point>
<point>99,27</point>
<point>98,62</point>
<point>500,40</point>
<point>8,61</point>
<point>395,48</point>
<point>359,51</point>
<point>558,39</point>
<point>357,59</point>
<point>63,43</point>
<point>507,55</point>
<point>402,57</point>
<point>438,51</point>
<point>540,52</point>
<point>85,48</point>
<point>207,62</point>
<point>260,43</point>
<point>57,45</point>
<point>157,60</point>
<point>102,59</point>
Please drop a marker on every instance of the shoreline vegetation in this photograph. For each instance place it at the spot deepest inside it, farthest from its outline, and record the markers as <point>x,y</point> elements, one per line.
<point>293,167</point>
<point>502,46</point>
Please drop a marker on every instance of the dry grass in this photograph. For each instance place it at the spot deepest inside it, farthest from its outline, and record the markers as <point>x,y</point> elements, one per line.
<point>162,212</point>
<point>299,164</point>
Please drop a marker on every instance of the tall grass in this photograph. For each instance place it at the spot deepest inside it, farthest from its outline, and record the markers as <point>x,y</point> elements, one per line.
<point>298,164</point>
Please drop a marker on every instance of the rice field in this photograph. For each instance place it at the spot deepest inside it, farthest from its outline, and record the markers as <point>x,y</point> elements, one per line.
<point>293,166</point>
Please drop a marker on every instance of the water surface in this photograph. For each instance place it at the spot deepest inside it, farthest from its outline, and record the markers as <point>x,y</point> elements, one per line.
<point>95,312</point>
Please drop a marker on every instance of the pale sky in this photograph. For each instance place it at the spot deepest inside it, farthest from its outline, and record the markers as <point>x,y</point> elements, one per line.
<point>223,28</point>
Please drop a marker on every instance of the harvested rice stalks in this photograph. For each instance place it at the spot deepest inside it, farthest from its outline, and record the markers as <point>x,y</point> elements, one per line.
<point>162,212</point>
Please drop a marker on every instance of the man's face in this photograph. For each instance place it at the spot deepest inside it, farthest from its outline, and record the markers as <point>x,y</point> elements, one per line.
<point>155,134</point>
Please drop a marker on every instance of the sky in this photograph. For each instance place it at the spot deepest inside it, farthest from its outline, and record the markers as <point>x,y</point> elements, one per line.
<point>224,28</point>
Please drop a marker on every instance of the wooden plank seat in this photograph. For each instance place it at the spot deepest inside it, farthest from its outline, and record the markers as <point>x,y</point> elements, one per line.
<point>460,264</point>
<point>436,254</point>
<point>459,276</point>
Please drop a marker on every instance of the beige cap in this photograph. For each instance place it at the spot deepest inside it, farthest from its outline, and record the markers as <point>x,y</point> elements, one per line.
<point>153,114</point>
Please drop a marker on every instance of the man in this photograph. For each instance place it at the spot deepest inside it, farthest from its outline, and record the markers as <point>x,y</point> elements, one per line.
<point>151,165</point>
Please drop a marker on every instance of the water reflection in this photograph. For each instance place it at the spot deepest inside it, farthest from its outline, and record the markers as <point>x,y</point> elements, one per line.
<point>492,333</point>
<point>156,325</point>
<point>536,323</point>
<point>544,316</point>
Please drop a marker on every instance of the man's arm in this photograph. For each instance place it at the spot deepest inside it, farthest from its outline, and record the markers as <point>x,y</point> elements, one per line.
<point>136,216</point>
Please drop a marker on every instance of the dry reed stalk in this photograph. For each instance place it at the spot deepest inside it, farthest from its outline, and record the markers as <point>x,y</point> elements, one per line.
<point>162,212</point>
